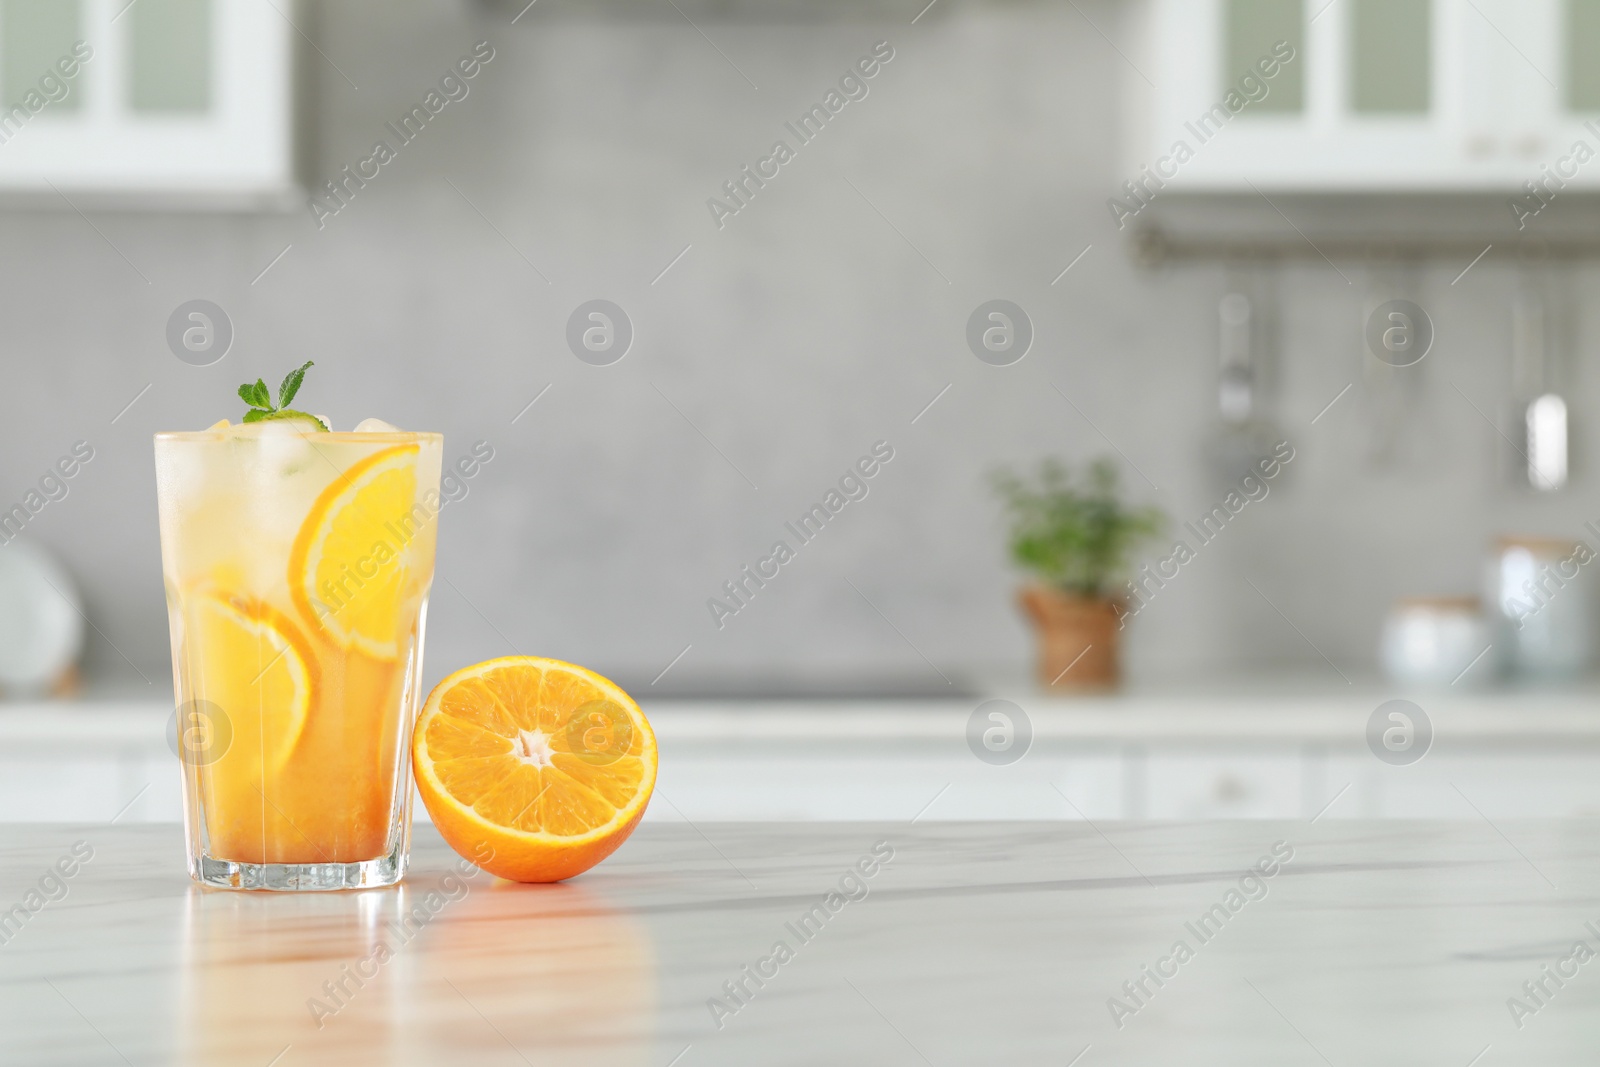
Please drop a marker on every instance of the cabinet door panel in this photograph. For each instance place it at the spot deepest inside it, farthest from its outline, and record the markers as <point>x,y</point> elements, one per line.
<point>33,35</point>
<point>1224,785</point>
<point>1251,29</point>
<point>170,56</point>
<point>721,784</point>
<point>38,788</point>
<point>1391,56</point>
<point>1380,95</point>
<point>1582,81</point>
<point>1470,786</point>
<point>169,103</point>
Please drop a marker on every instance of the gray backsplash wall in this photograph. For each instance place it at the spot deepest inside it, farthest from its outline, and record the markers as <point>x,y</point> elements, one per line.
<point>819,320</point>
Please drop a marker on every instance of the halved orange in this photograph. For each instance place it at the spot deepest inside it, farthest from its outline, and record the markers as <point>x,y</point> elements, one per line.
<point>532,768</point>
<point>350,569</point>
<point>252,679</point>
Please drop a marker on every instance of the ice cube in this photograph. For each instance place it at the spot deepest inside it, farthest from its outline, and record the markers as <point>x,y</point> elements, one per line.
<point>291,427</point>
<point>376,426</point>
<point>285,445</point>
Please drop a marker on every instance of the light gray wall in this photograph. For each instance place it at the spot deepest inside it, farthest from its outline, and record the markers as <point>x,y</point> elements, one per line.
<point>805,330</point>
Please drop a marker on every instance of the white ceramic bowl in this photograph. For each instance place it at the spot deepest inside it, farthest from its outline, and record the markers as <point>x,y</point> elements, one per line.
<point>41,620</point>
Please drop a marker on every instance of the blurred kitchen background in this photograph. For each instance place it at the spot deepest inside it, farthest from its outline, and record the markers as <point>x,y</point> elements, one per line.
<point>1384,160</point>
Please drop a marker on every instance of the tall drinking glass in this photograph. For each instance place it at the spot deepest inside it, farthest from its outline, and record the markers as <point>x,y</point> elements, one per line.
<point>297,567</point>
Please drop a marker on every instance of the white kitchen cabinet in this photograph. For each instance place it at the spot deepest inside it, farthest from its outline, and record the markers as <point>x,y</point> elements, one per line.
<point>67,788</point>
<point>918,781</point>
<point>1104,782</point>
<point>1223,784</point>
<point>1381,95</point>
<point>76,785</point>
<point>170,103</point>
<point>1500,757</point>
<point>1481,785</point>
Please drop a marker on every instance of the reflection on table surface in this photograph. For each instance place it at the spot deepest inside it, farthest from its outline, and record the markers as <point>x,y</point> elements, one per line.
<point>445,961</point>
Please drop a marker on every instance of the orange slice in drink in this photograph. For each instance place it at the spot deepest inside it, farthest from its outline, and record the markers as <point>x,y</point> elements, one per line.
<point>253,678</point>
<point>349,570</point>
<point>533,769</point>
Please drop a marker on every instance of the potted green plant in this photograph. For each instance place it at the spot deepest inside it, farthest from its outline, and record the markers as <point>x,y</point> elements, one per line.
<point>1076,536</point>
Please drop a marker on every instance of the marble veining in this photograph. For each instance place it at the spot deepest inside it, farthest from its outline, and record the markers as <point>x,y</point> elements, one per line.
<point>974,943</point>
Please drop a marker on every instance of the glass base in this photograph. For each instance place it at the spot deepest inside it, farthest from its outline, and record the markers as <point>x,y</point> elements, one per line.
<point>302,877</point>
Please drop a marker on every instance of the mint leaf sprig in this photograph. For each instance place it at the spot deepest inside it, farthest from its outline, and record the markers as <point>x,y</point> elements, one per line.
<point>259,397</point>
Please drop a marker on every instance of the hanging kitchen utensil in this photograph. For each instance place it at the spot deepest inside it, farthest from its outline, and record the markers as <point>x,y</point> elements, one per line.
<point>1540,408</point>
<point>1393,397</point>
<point>1246,434</point>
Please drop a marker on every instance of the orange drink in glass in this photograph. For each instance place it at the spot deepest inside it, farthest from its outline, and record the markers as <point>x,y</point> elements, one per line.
<point>297,565</point>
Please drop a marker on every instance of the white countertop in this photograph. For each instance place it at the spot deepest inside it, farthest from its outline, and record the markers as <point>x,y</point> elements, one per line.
<point>1266,710</point>
<point>1263,749</point>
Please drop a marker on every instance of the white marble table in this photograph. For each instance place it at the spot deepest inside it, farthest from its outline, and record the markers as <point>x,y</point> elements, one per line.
<point>1377,943</point>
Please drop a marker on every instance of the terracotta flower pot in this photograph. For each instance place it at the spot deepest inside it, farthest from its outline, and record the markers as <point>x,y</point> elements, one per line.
<point>1078,638</point>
